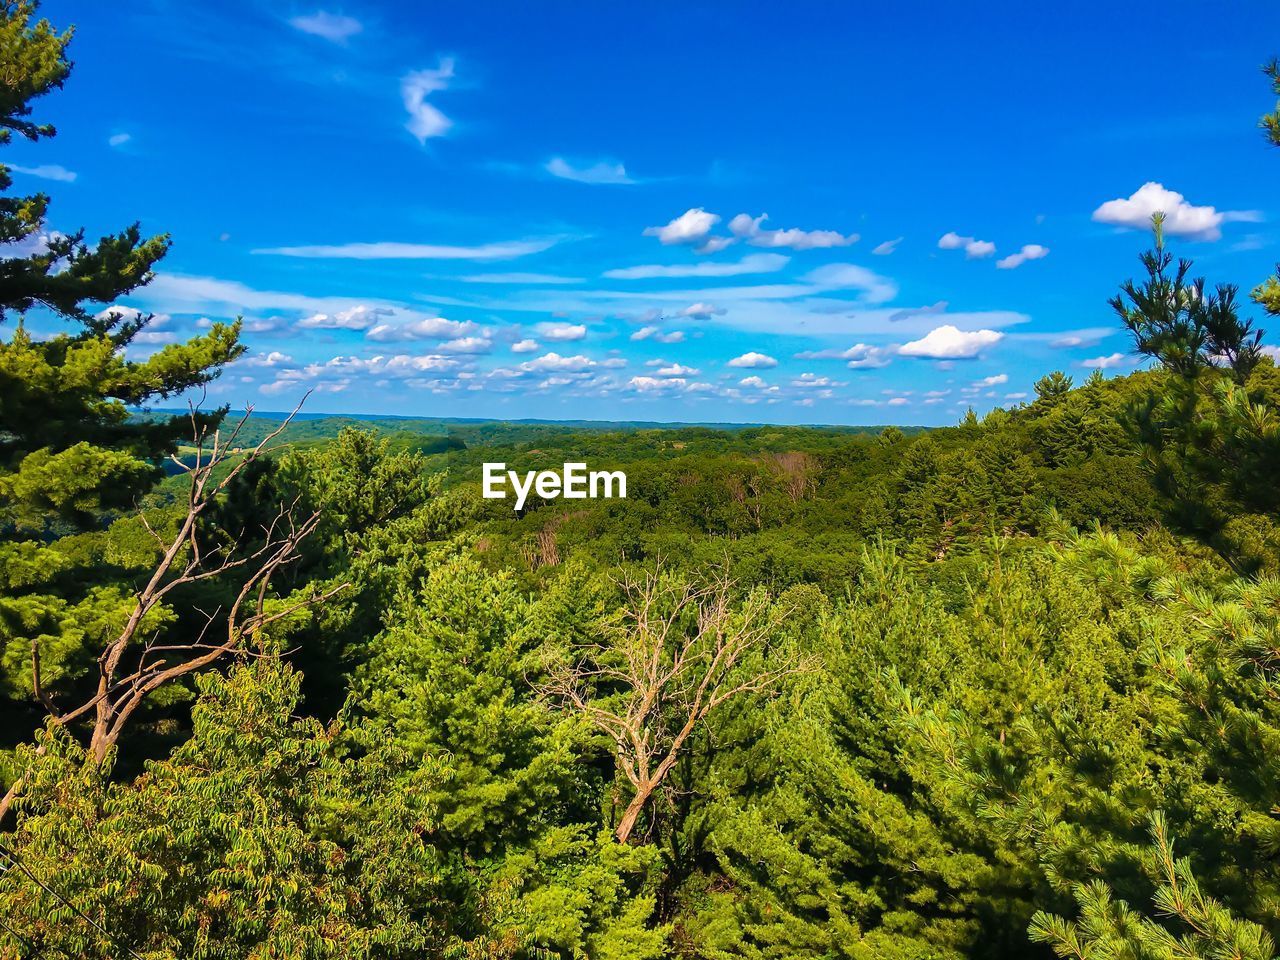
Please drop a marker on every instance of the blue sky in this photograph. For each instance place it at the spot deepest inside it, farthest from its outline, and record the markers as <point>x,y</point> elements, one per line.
<point>555,209</point>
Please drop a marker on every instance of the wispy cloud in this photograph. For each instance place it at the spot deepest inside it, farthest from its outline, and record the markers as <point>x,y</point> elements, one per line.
<point>534,279</point>
<point>119,139</point>
<point>753,263</point>
<point>850,276</point>
<point>425,119</point>
<point>334,27</point>
<point>603,172</point>
<point>886,248</point>
<point>46,171</point>
<point>391,250</point>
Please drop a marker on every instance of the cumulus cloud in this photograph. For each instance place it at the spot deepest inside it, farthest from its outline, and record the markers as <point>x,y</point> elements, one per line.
<point>1181,218</point>
<point>46,171</point>
<point>1105,363</point>
<point>334,27</point>
<point>973,248</point>
<point>340,372</point>
<point>1031,251</point>
<point>992,381</point>
<point>691,228</point>
<point>753,263</point>
<point>658,335</point>
<point>886,248</point>
<point>673,370</point>
<point>751,229</point>
<point>813,381</point>
<point>950,343</point>
<point>469,345</point>
<point>356,318</point>
<point>846,276</point>
<point>525,346</point>
<point>273,358</point>
<point>599,173</point>
<point>862,356</point>
<point>425,120</point>
<point>655,384</point>
<point>754,361</point>
<point>427,328</point>
<point>555,362</point>
<point>561,332</point>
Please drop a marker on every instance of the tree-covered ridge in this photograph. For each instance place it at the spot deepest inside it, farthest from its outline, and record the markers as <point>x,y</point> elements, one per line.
<point>283,687</point>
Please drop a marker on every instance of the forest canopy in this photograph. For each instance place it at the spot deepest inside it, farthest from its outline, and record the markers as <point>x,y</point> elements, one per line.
<point>288,686</point>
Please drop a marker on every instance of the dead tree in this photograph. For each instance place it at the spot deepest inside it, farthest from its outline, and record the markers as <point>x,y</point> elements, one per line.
<point>127,674</point>
<point>678,652</point>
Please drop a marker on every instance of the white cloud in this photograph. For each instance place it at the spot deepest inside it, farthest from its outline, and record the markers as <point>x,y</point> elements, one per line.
<point>862,356</point>
<point>654,384</point>
<point>356,318</point>
<point>426,328</point>
<point>1031,251</point>
<point>46,171</point>
<point>753,263</point>
<point>675,370</point>
<point>886,248</point>
<point>972,248</point>
<point>553,361</point>
<point>950,343</point>
<point>599,173</point>
<point>273,358</point>
<point>691,228</point>
<point>845,276</point>
<point>657,334</point>
<point>502,250</point>
<point>697,311</point>
<point>425,121</point>
<point>333,27</point>
<point>561,332</point>
<point>525,346</point>
<point>468,345</point>
<point>1105,363</point>
<point>812,380</point>
<point>520,278</point>
<point>757,383</point>
<point>750,229</point>
<point>338,373</point>
<point>1180,217</point>
<point>992,381</point>
<point>119,139</point>
<point>754,361</point>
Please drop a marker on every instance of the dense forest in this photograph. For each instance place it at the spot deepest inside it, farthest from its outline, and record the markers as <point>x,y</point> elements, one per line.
<point>291,688</point>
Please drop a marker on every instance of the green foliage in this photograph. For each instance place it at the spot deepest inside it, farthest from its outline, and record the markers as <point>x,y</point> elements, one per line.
<point>1203,928</point>
<point>257,838</point>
